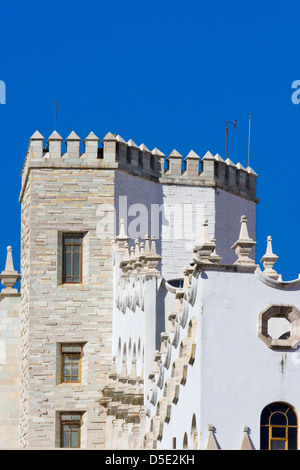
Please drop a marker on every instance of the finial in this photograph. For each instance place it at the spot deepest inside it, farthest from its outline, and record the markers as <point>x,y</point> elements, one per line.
<point>113,372</point>
<point>132,378</point>
<point>147,244</point>
<point>138,256</point>
<point>9,276</point>
<point>125,263</point>
<point>122,234</point>
<point>244,245</point>
<point>152,259</point>
<point>122,238</point>
<point>214,258</point>
<point>246,442</point>
<point>137,248</point>
<point>211,441</point>
<point>123,377</point>
<point>153,244</point>
<point>205,248</point>
<point>269,259</point>
<point>244,235</point>
<point>205,231</point>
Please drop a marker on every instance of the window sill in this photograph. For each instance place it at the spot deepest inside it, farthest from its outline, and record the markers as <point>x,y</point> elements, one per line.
<point>71,384</point>
<point>73,286</point>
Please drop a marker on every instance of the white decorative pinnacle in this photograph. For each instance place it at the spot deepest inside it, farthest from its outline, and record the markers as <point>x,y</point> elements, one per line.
<point>214,257</point>
<point>147,244</point>
<point>246,442</point>
<point>211,441</point>
<point>244,245</point>
<point>122,238</point>
<point>9,276</point>
<point>152,259</point>
<point>269,259</point>
<point>205,248</point>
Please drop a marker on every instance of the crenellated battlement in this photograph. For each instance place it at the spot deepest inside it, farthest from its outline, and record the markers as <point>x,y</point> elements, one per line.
<point>116,153</point>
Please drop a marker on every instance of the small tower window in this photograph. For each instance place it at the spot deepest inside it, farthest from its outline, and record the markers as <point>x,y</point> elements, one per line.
<point>70,430</point>
<point>72,258</point>
<point>71,363</point>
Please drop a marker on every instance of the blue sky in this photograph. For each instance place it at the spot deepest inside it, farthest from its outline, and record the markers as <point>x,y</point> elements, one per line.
<point>163,73</point>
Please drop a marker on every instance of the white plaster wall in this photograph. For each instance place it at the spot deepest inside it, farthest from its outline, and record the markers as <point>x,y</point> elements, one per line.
<point>235,375</point>
<point>240,374</point>
<point>175,213</point>
<point>129,328</point>
<point>229,209</point>
<point>186,207</point>
<point>189,402</point>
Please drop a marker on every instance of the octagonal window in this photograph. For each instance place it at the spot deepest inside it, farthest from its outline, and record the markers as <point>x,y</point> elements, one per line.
<point>279,326</point>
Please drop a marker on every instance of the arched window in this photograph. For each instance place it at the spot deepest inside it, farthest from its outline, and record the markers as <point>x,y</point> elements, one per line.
<point>278,427</point>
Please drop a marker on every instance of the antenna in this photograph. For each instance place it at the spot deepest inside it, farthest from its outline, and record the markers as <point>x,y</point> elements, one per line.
<point>234,124</point>
<point>55,114</point>
<point>249,140</point>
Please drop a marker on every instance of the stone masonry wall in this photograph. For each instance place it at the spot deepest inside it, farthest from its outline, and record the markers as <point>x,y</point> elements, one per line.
<point>24,314</point>
<point>65,200</point>
<point>9,370</point>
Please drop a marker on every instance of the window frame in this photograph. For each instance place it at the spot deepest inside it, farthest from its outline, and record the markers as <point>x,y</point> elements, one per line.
<point>70,422</point>
<point>64,245</point>
<point>269,426</point>
<point>72,355</point>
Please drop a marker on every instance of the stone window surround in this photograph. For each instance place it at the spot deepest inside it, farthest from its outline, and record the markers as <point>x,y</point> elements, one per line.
<point>85,256</point>
<point>83,427</point>
<point>83,364</point>
<point>290,313</point>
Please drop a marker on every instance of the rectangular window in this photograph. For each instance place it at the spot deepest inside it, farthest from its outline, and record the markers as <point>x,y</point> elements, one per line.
<point>72,258</point>
<point>71,355</point>
<point>70,430</point>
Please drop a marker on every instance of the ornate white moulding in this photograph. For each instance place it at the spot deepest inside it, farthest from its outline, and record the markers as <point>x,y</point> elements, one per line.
<point>277,283</point>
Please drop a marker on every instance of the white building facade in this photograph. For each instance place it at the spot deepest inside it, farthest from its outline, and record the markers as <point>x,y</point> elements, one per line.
<point>144,320</point>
